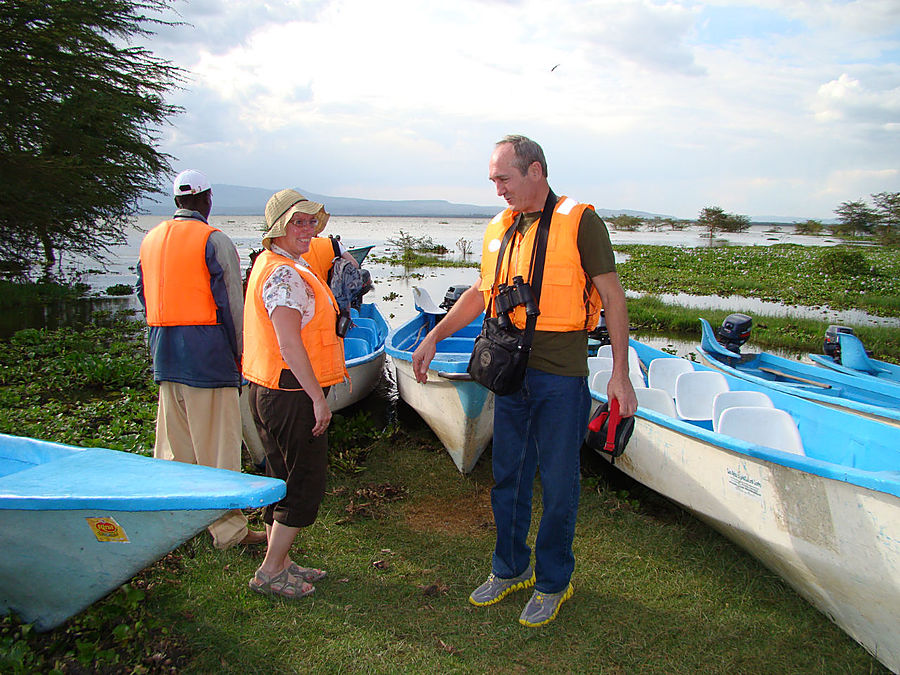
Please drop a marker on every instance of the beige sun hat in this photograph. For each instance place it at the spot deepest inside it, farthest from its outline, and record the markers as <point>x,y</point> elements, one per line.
<point>284,204</point>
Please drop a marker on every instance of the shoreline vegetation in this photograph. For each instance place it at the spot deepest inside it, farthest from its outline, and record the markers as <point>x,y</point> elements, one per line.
<point>405,537</point>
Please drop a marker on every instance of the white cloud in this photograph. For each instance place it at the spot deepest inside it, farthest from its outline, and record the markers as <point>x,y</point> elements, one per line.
<point>665,106</point>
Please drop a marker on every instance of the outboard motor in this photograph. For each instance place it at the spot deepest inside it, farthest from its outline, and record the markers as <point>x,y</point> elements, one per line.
<point>452,295</point>
<point>832,346</point>
<point>734,332</point>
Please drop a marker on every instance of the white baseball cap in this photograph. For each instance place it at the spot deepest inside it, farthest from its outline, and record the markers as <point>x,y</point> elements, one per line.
<point>190,182</point>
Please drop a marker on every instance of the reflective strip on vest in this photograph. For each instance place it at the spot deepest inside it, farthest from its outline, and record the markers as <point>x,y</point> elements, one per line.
<point>569,300</point>
<point>175,276</point>
<point>262,361</point>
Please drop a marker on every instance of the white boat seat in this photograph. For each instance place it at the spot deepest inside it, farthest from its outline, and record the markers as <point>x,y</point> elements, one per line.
<point>730,399</point>
<point>635,374</point>
<point>770,427</point>
<point>695,392</point>
<point>657,400</point>
<point>596,364</point>
<point>663,372</point>
<point>422,300</point>
<point>599,380</point>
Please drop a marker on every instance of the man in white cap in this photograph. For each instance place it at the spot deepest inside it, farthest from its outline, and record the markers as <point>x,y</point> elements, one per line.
<point>189,282</point>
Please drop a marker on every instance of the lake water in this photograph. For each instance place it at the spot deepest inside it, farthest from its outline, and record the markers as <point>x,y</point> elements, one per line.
<point>393,285</point>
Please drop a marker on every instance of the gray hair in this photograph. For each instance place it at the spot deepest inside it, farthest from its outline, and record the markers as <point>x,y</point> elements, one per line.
<point>527,152</point>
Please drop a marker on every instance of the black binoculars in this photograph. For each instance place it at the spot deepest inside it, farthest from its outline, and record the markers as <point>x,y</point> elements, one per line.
<point>517,295</point>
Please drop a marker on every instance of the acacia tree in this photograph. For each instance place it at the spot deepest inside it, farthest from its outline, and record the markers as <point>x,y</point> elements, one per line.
<point>854,217</point>
<point>812,227</point>
<point>887,210</point>
<point>714,219</point>
<point>625,223</point>
<point>80,113</point>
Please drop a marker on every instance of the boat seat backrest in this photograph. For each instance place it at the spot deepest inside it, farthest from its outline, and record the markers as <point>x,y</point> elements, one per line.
<point>695,392</point>
<point>598,363</point>
<point>635,374</point>
<point>657,400</point>
<point>423,301</point>
<point>730,399</point>
<point>362,333</point>
<point>599,380</point>
<point>354,348</point>
<point>663,372</point>
<point>853,354</point>
<point>770,427</point>
<point>370,324</point>
<point>455,345</point>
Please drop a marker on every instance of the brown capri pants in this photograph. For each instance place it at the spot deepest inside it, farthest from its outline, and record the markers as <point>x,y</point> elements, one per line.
<point>285,420</point>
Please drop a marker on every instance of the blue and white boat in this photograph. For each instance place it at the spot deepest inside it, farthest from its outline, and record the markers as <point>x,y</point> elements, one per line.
<point>867,398</point>
<point>853,360</point>
<point>364,357</point>
<point>76,523</point>
<point>812,492</point>
<point>458,410</point>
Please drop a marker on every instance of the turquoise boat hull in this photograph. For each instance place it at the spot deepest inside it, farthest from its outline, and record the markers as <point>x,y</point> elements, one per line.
<point>364,357</point>
<point>864,397</point>
<point>458,410</point>
<point>880,371</point>
<point>827,519</point>
<point>76,523</point>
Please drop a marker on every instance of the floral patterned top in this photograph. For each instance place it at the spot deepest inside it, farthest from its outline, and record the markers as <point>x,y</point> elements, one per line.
<point>286,287</point>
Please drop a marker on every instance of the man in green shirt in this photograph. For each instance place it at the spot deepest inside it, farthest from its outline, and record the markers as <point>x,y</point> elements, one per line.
<point>542,426</point>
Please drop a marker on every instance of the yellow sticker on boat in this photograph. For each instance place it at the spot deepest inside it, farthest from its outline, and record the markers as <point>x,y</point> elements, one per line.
<point>107,529</point>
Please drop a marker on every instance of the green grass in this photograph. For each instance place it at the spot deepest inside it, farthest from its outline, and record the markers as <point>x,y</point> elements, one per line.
<point>405,539</point>
<point>656,591</point>
<point>786,273</point>
<point>19,293</point>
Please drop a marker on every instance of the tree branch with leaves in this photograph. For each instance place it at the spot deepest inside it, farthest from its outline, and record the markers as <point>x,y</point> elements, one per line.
<point>81,109</point>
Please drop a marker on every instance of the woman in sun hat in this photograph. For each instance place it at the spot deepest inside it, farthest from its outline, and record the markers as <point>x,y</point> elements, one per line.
<point>292,355</point>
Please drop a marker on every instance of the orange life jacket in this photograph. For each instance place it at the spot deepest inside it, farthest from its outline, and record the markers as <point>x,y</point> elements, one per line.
<point>569,300</point>
<point>176,278</point>
<point>263,362</point>
<point>320,256</point>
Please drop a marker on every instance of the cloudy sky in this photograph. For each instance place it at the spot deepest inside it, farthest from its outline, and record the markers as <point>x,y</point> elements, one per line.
<point>771,107</point>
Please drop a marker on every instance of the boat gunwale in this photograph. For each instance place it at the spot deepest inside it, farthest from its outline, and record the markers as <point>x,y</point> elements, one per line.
<point>443,361</point>
<point>811,394</point>
<point>887,482</point>
<point>830,364</point>
<point>207,489</point>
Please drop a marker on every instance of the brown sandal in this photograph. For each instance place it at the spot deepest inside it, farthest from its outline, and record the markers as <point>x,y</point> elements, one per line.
<point>282,584</point>
<point>309,574</point>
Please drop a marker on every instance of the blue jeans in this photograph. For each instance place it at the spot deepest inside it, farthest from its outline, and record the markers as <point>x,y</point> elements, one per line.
<point>539,428</point>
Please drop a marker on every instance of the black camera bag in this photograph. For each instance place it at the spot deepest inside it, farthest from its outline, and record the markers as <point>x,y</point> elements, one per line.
<point>499,357</point>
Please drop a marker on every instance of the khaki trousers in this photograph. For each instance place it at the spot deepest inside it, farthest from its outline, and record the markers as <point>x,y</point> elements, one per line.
<point>203,426</point>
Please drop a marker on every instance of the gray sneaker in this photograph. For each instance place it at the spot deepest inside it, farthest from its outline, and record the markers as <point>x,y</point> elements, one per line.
<point>543,607</point>
<point>495,589</point>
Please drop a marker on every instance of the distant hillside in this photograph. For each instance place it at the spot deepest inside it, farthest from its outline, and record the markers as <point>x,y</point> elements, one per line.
<point>238,200</point>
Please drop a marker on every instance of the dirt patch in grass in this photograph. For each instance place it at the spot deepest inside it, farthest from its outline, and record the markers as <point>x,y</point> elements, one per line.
<point>452,515</point>
<point>367,501</point>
